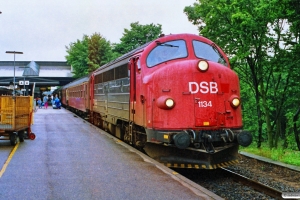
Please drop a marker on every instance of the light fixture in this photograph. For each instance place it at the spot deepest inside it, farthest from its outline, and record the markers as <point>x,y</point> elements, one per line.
<point>14,82</point>
<point>203,65</point>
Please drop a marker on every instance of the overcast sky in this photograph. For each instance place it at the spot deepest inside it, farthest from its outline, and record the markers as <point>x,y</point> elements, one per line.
<point>42,29</point>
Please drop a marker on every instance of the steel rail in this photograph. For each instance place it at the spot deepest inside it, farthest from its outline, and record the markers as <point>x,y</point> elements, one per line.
<point>254,184</point>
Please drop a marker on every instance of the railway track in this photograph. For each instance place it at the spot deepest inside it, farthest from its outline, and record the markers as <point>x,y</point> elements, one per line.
<point>254,184</point>
<point>250,179</point>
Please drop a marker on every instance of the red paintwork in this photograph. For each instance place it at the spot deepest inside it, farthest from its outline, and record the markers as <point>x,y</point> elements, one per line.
<point>172,79</point>
<point>76,96</point>
<point>202,115</point>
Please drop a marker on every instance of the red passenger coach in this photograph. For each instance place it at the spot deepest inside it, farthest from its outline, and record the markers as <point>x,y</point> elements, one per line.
<point>176,97</point>
<point>75,96</point>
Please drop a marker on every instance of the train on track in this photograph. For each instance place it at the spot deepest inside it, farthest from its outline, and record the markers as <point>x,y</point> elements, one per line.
<point>175,97</point>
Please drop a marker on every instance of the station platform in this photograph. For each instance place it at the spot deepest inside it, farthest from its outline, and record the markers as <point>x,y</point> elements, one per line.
<point>72,159</point>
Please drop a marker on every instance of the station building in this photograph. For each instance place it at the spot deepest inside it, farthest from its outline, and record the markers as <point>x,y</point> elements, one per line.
<point>37,76</point>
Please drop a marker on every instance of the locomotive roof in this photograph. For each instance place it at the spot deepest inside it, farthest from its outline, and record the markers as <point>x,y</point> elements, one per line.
<point>123,58</point>
<point>120,60</point>
<point>77,81</point>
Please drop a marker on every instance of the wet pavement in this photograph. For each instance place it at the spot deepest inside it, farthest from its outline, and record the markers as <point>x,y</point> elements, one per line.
<point>71,159</point>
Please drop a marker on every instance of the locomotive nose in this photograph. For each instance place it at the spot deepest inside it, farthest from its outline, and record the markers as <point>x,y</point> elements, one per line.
<point>244,138</point>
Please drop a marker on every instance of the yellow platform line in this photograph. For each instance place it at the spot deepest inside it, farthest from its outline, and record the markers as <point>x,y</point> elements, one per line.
<point>8,159</point>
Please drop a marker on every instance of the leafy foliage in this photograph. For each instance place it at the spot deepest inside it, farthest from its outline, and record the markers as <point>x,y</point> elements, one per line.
<point>100,52</point>
<point>89,54</point>
<point>261,38</point>
<point>136,36</point>
<point>78,56</point>
<point>93,51</point>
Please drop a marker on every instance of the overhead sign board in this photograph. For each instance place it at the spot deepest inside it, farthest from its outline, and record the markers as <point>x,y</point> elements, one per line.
<point>23,82</point>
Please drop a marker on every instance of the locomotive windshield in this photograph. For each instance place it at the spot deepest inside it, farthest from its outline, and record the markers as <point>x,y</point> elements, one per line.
<point>208,52</point>
<point>167,51</point>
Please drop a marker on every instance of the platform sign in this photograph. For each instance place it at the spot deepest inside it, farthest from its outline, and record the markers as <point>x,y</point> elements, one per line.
<point>21,82</point>
<point>26,82</point>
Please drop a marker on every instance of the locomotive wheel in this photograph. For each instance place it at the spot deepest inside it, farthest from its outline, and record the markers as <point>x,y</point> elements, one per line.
<point>13,138</point>
<point>32,136</point>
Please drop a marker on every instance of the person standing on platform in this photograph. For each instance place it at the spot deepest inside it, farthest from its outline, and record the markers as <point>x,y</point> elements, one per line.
<point>49,100</point>
<point>57,102</point>
<point>45,100</point>
<point>39,102</point>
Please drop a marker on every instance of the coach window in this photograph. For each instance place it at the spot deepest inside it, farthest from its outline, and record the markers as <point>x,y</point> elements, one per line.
<point>208,52</point>
<point>167,51</point>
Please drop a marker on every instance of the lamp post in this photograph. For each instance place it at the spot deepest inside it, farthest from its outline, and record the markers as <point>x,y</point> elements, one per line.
<point>14,52</point>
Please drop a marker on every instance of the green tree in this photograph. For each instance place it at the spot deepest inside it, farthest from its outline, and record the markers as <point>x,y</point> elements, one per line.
<point>99,52</point>
<point>78,56</point>
<point>292,13</point>
<point>136,36</point>
<point>252,33</point>
<point>88,54</point>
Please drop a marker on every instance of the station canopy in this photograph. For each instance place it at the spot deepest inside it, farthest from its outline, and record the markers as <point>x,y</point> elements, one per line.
<point>32,69</point>
<point>42,73</point>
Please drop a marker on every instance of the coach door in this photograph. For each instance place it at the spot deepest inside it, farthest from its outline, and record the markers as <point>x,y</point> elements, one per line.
<point>67,97</point>
<point>86,95</point>
<point>136,97</point>
<point>91,93</point>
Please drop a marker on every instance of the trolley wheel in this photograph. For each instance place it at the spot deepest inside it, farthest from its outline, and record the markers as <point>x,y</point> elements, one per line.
<point>21,135</point>
<point>13,138</point>
<point>32,136</point>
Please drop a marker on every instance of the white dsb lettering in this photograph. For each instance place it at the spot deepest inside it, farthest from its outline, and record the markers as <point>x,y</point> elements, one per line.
<point>203,87</point>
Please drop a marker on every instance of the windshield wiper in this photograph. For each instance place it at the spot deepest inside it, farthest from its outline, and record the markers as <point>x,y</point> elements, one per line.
<point>166,45</point>
<point>214,47</point>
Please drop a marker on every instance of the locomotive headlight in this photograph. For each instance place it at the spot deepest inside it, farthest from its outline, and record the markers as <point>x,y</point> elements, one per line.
<point>203,65</point>
<point>165,102</point>
<point>169,103</point>
<point>235,102</point>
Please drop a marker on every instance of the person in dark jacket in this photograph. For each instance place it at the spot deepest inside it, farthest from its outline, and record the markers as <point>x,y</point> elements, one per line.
<point>57,103</point>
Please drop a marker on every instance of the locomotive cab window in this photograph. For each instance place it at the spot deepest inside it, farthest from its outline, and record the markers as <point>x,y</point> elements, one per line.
<point>208,52</point>
<point>167,51</point>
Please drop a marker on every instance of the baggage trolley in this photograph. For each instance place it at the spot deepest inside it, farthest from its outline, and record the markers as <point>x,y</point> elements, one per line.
<point>16,118</point>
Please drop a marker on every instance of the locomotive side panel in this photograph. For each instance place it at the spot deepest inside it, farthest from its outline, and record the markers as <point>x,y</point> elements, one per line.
<point>111,94</point>
<point>99,99</point>
<point>118,100</point>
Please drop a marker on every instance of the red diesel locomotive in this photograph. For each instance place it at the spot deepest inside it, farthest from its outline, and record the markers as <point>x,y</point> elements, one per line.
<point>176,97</point>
